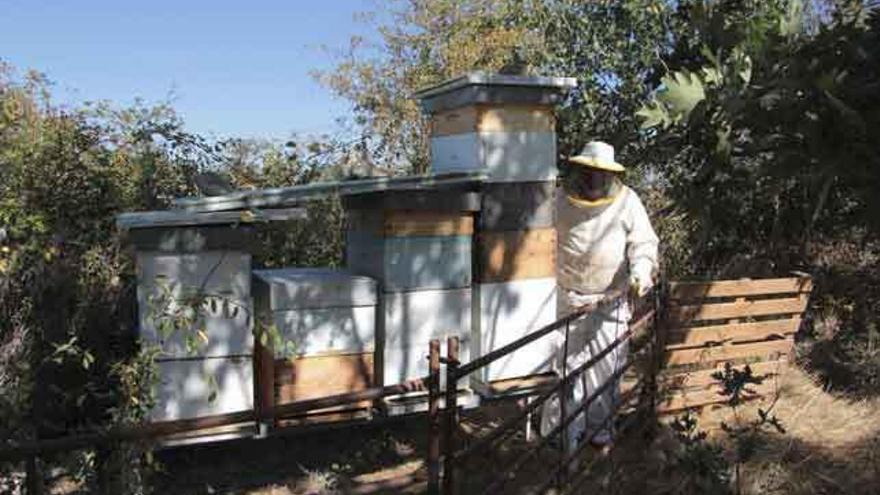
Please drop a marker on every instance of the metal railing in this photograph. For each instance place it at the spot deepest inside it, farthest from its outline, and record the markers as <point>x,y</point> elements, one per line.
<point>32,450</point>
<point>453,458</point>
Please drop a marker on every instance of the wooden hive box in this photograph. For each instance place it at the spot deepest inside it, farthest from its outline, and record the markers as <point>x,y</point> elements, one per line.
<point>741,322</point>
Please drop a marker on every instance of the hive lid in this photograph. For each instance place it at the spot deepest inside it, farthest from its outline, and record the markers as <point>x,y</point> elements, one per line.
<point>302,288</point>
<point>485,88</point>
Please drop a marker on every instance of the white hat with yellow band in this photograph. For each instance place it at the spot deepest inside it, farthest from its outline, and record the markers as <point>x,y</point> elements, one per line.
<point>598,155</point>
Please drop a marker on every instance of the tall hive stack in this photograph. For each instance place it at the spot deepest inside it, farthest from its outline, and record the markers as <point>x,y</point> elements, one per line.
<point>417,245</point>
<point>217,375</point>
<point>504,126</point>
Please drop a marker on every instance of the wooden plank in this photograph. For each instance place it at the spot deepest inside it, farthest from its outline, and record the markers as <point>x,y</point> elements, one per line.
<point>534,118</point>
<point>702,379</point>
<point>735,288</point>
<point>516,255</point>
<point>736,332</point>
<point>688,314</point>
<point>455,121</point>
<point>426,223</point>
<point>320,376</point>
<point>708,355</point>
<point>479,118</point>
<point>682,400</point>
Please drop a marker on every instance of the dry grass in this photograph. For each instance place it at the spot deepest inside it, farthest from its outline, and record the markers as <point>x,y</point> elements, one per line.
<point>831,444</point>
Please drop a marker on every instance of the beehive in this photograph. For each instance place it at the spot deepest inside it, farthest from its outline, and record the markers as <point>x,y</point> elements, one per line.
<point>216,376</point>
<point>420,252</point>
<point>504,126</point>
<point>326,320</point>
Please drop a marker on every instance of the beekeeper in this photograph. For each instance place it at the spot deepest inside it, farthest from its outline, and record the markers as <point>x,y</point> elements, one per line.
<point>607,249</point>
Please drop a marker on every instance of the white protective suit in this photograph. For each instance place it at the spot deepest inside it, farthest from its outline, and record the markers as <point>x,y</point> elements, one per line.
<point>602,250</point>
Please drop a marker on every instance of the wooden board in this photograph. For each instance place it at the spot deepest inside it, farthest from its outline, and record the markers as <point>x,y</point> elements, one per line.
<point>476,118</point>
<point>734,332</point>
<point>319,376</point>
<point>681,400</point>
<point>516,255</point>
<point>702,379</point>
<point>194,239</point>
<point>517,205</point>
<point>426,223</point>
<point>707,355</point>
<point>737,288</point>
<point>688,314</point>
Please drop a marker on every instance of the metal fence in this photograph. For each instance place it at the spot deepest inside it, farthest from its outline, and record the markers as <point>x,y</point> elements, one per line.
<point>444,424</point>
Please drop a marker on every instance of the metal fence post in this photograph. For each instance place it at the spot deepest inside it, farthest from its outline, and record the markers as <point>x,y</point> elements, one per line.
<point>434,419</point>
<point>563,409</point>
<point>33,476</point>
<point>451,414</point>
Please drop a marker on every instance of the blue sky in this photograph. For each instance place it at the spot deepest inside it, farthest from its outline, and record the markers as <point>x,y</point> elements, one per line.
<point>237,68</point>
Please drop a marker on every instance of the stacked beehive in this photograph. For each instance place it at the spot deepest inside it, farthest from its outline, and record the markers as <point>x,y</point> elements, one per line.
<point>208,266</point>
<point>326,322</point>
<point>504,126</point>
<point>417,245</point>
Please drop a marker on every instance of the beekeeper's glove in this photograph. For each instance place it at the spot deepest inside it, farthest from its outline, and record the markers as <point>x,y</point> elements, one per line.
<point>639,285</point>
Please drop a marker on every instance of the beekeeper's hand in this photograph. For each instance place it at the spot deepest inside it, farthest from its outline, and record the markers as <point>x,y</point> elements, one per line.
<point>639,286</point>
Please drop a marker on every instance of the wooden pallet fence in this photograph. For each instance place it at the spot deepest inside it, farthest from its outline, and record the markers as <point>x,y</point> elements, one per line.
<point>740,321</point>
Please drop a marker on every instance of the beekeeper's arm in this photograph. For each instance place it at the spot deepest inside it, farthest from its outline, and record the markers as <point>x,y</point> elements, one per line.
<point>641,246</point>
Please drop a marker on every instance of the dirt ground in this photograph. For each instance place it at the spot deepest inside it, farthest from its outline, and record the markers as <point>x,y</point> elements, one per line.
<point>831,445</point>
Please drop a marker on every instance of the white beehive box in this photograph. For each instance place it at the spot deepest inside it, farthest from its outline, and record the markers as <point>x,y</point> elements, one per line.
<point>514,156</point>
<point>509,311</point>
<point>222,277</point>
<point>411,320</point>
<point>318,311</point>
<point>193,388</point>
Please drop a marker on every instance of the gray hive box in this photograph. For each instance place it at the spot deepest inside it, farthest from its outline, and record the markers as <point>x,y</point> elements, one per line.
<point>411,240</point>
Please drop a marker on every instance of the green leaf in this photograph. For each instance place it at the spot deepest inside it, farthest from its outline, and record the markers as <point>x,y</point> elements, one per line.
<point>683,90</point>
<point>653,114</point>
